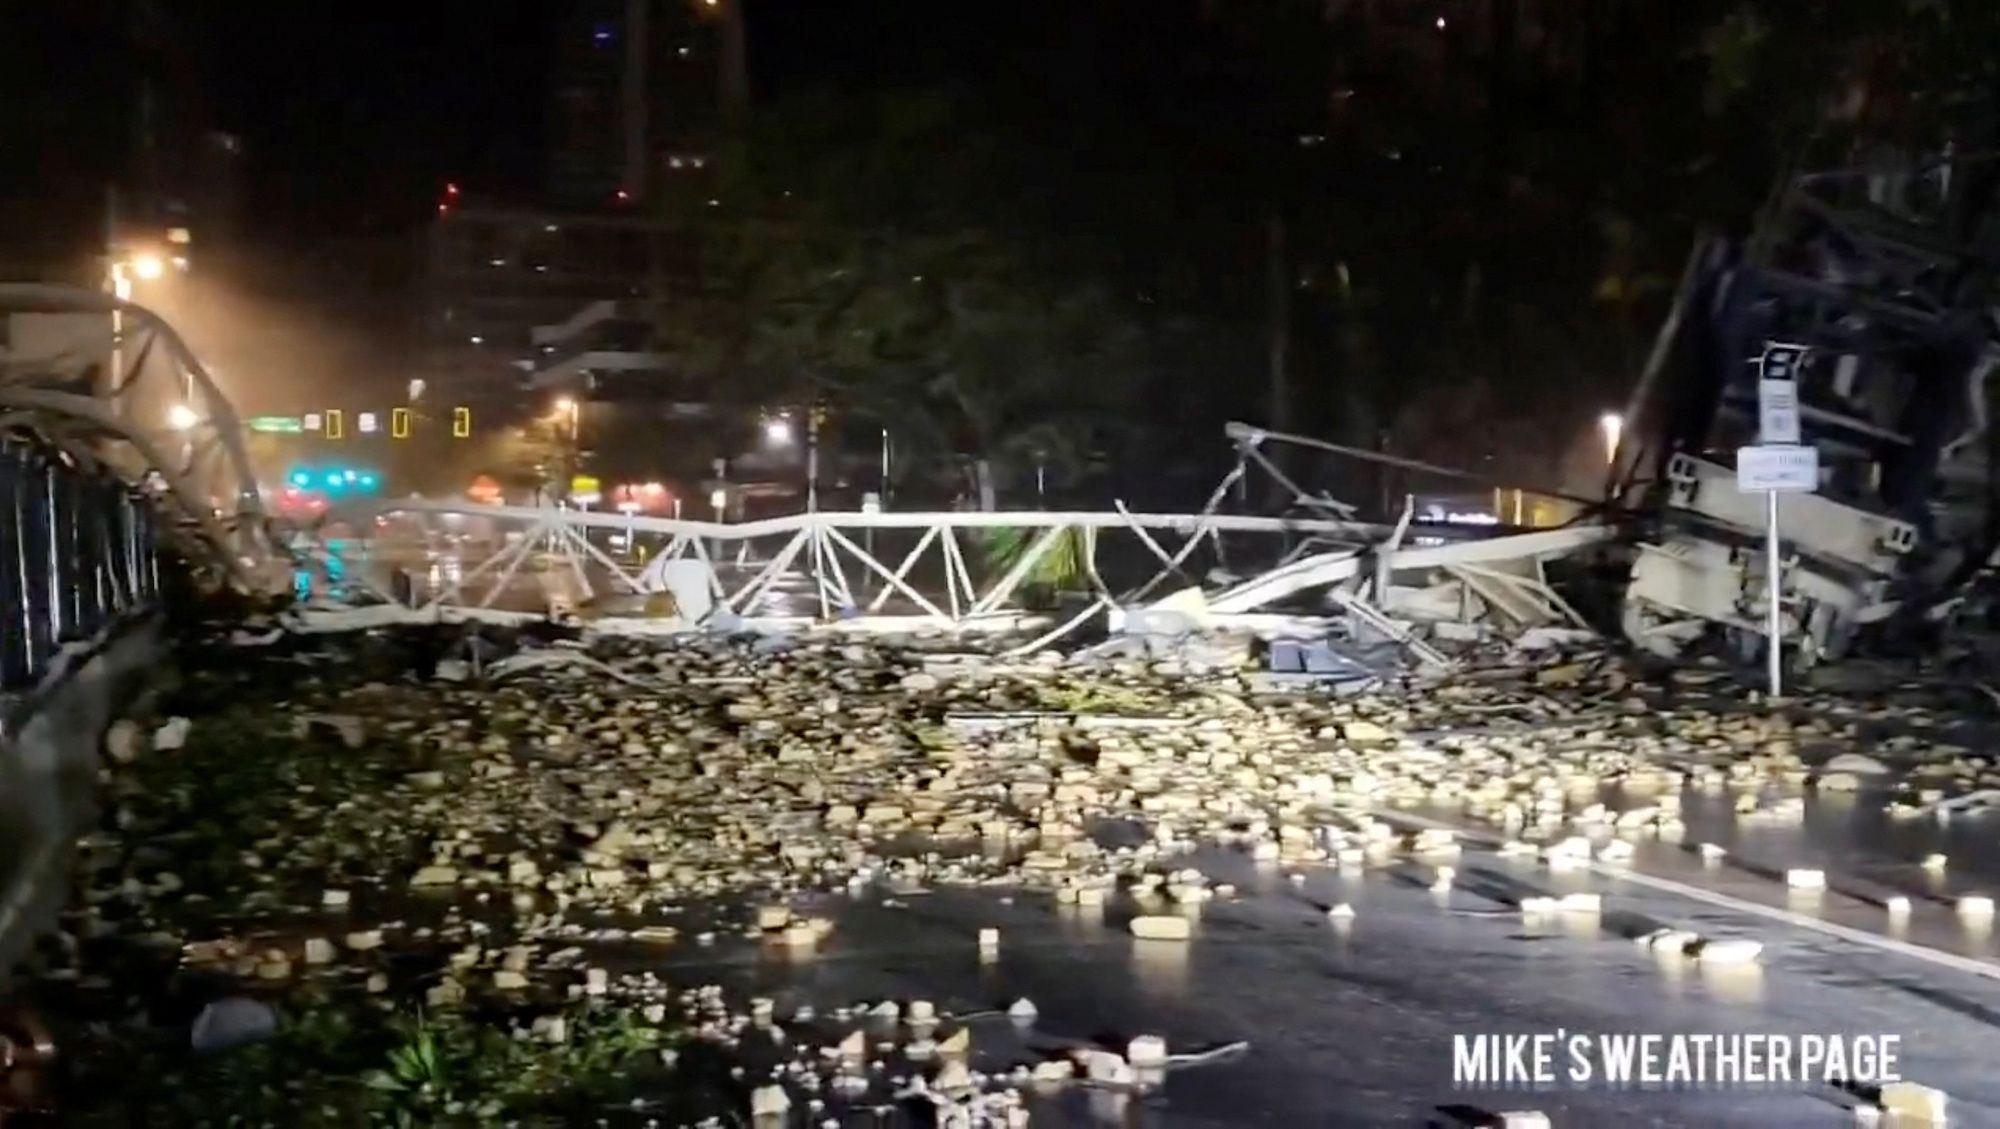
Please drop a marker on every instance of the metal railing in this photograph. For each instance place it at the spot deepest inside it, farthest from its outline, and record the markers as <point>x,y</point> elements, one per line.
<point>76,553</point>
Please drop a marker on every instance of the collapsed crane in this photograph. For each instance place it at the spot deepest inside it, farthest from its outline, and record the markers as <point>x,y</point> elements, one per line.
<point>1886,279</point>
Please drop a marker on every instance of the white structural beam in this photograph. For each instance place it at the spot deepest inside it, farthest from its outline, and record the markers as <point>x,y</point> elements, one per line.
<point>903,569</point>
<point>826,537</point>
<point>769,527</point>
<point>894,579</point>
<point>1332,568</point>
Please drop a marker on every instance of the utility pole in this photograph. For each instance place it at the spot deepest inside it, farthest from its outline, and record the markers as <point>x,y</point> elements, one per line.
<point>1278,329</point>
<point>733,68</point>
<point>1278,298</point>
<point>633,93</point>
<point>813,417</point>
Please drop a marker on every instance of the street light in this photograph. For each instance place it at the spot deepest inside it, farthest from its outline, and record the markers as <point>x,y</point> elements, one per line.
<point>568,406</point>
<point>778,431</point>
<point>148,266</point>
<point>1613,425</point>
<point>180,417</point>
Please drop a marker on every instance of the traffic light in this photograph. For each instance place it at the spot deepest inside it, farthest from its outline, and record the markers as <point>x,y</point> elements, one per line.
<point>461,423</point>
<point>399,423</point>
<point>332,480</point>
<point>334,429</point>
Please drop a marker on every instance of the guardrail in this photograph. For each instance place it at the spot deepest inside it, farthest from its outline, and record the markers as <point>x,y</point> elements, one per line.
<point>76,553</point>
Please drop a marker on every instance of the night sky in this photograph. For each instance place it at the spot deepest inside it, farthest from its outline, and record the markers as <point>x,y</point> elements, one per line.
<point>354,114</point>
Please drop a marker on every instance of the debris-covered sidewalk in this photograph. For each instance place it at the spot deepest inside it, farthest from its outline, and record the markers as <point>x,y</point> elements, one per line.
<point>791,881</point>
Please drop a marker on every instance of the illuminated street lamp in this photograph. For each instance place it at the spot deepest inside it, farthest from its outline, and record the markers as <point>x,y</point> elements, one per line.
<point>180,417</point>
<point>567,406</point>
<point>1613,425</point>
<point>148,266</point>
<point>778,431</point>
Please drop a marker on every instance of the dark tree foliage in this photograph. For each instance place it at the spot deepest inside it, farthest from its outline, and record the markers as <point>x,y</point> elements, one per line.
<point>1068,260</point>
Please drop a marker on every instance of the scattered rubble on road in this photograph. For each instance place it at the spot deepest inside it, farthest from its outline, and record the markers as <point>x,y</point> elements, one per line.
<point>501,846</point>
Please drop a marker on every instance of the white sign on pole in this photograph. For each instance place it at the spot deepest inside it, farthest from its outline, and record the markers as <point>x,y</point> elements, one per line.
<point>366,421</point>
<point>1780,469</point>
<point>1777,411</point>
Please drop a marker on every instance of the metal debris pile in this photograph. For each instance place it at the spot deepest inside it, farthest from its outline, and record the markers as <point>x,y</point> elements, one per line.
<point>526,845</point>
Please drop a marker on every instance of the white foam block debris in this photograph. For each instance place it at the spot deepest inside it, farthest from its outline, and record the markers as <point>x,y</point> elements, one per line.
<point>1914,1101</point>
<point>1580,903</point>
<point>769,1101</point>
<point>1897,905</point>
<point>1804,879</point>
<point>955,1080</point>
<point>172,735</point>
<point>1733,950</point>
<point>1670,940</point>
<point>1054,1070</point>
<point>1108,1067</point>
<point>1147,1050</point>
<point>1341,912</point>
<point>1161,928</point>
<point>989,940</point>
<point>1713,851</point>
<point>1523,1119</point>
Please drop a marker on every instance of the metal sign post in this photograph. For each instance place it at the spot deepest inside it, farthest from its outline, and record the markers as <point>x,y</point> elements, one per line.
<point>1776,465</point>
<point>1773,625</point>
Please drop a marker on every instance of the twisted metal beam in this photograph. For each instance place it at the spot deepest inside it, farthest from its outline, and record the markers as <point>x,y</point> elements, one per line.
<point>40,395</point>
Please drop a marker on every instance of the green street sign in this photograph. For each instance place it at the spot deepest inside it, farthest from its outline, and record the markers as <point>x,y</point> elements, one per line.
<point>289,425</point>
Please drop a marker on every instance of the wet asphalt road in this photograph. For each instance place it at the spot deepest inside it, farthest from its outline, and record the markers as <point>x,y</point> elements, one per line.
<point>1352,1025</point>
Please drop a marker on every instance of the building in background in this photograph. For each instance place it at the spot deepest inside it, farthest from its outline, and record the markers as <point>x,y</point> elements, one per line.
<point>494,274</point>
<point>529,299</point>
<point>634,109</point>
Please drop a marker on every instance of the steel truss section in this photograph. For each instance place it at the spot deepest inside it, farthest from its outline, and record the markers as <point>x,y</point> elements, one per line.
<point>818,559</point>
